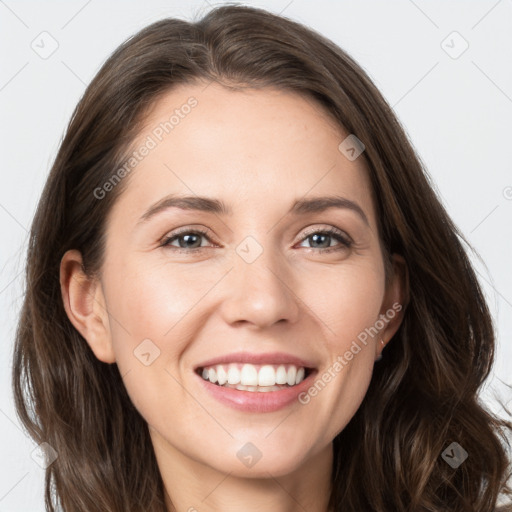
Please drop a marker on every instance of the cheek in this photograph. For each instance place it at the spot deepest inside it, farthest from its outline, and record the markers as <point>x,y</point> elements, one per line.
<point>346,301</point>
<point>151,301</point>
<point>147,316</point>
<point>347,305</point>
<point>156,311</point>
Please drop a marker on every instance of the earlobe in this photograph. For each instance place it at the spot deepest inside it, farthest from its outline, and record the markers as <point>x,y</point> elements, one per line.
<point>85,306</point>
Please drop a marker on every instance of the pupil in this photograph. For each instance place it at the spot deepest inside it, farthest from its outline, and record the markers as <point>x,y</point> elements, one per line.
<point>315,237</point>
<point>186,237</point>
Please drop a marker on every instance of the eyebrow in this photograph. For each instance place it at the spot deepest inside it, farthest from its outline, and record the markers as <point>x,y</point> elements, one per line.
<point>216,206</point>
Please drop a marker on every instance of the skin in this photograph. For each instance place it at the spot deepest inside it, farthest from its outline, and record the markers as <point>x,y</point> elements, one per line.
<point>258,151</point>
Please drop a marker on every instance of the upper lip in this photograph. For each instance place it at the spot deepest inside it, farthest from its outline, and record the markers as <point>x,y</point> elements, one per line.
<point>263,358</point>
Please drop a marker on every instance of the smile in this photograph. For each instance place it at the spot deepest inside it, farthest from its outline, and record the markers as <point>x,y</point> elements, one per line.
<point>268,397</point>
<point>254,378</point>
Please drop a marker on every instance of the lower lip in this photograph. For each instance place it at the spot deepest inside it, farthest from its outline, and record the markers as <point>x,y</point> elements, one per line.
<point>255,401</point>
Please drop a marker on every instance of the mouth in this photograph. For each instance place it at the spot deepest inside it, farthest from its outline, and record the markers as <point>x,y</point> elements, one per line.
<point>256,383</point>
<point>258,378</point>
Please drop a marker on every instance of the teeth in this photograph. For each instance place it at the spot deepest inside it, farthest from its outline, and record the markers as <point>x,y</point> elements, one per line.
<point>212,375</point>
<point>266,376</point>
<point>292,373</point>
<point>249,375</point>
<point>222,376</point>
<point>253,377</point>
<point>281,375</point>
<point>241,387</point>
<point>233,374</point>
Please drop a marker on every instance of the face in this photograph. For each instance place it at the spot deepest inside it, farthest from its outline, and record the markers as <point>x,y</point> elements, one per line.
<point>274,281</point>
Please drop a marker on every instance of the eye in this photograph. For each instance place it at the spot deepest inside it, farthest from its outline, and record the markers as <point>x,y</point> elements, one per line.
<point>320,236</point>
<point>190,237</point>
<point>189,240</point>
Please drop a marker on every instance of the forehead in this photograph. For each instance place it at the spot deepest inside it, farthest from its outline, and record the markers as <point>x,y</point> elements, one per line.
<point>258,149</point>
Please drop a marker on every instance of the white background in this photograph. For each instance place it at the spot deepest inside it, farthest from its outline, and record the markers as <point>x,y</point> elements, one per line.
<point>457,112</point>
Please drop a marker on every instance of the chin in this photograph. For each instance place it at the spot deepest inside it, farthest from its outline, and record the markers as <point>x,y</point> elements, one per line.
<point>251,461</point>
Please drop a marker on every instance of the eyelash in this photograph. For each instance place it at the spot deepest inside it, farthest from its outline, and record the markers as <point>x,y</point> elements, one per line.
<point>332,232</point>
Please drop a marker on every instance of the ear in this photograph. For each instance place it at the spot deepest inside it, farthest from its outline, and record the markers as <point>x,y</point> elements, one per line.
<point>394,304</point>
<point>85,305</point>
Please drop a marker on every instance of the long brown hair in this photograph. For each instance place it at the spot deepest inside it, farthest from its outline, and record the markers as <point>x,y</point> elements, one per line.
<point>424,392</point>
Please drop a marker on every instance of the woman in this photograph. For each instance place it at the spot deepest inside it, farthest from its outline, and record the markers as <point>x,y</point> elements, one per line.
<point>249,371</point>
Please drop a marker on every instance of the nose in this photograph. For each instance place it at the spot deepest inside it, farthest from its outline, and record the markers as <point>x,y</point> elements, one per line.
<point>260,292</point>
